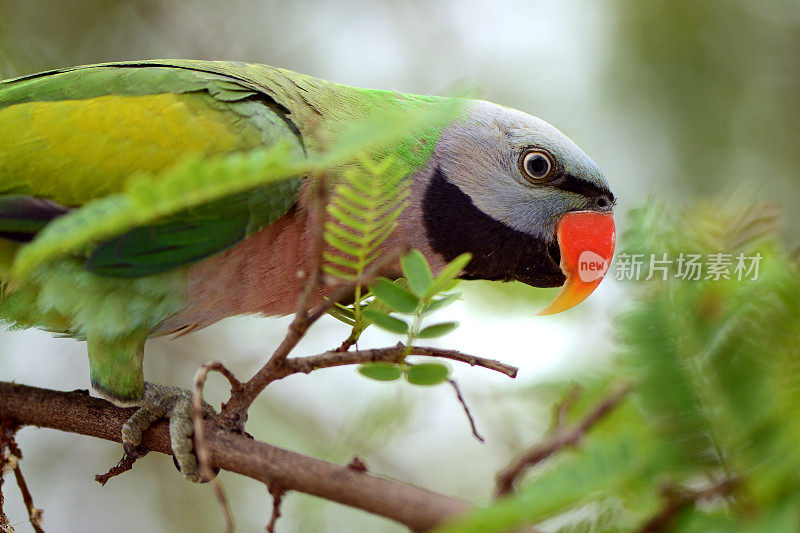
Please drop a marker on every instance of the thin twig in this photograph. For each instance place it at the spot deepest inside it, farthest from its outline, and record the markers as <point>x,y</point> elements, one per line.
<point>561,438</point>
<point>678,498</point>
<point>466,410</point>
<point>277,498</point>
<point>300,323</point>
<point>394,354</point>
<point>235,410</point>
<point>125,464</point>
<point>4,523</point>
<point>10,455</point>
<point>471,360</point>
<point>202,450</point>
<point>376,269</point>
<point>34,514</point>
<point>417,508</point>
<point>562,408</point>
<point>233,413</point>
<point>348,343</point>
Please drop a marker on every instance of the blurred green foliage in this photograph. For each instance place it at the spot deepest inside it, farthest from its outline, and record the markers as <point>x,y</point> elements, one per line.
<point>720,80</point>
<point>715,366</point>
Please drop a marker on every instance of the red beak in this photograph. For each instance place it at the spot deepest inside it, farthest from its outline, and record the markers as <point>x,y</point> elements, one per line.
<point>586,240</point>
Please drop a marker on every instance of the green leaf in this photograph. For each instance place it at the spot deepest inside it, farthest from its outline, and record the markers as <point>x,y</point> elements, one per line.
<point>377,305</point>
<point>345,310</point>
<point>337,272</point>
<point>353,197</point>
<point>450,285</point>
<point>338,314</point>
<point>440,303</point>
<point>447,274</point>
<point>397,297</point>
<point>340,260</point>
<point>417,272</point>
<point>342,232</point>
<point>343,217</point>
<point>427,374</point>
<point>365,205</point>
<point>384,321</point>
<point>380,371</point>
<point>342,245</point>
<point>437,330</point>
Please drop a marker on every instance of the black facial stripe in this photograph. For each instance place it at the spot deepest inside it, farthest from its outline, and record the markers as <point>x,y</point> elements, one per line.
<point>570,183</point>
<point>454,225</point>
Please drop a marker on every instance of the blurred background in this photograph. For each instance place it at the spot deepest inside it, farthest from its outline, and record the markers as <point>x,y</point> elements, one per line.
<point>676,100</point>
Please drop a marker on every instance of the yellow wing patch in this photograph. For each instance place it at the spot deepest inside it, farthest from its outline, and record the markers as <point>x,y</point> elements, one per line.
<point>74,150</point>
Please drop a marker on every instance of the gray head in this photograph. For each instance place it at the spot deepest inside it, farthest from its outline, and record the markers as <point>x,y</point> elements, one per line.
<point>502,181</point>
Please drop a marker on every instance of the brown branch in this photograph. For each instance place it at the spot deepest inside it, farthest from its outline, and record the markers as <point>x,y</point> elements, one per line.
<point>234,413</point>
<point>200,445</point>
<point>418,509</point>
<point>562,408</point>
<point>561,438</point>
<point>34,514</point>
<point>301,322</point>
<point>4,523</point>
<point>394,354</point>
<point>125,464</point>
<point>9,458</point>
<point>463,403</point>
<point>369,275</point>
<point>678,498</point>
<point>307,364</point>
<point>277,498</point>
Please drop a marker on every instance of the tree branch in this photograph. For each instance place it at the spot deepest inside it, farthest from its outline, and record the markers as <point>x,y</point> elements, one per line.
<point>467,412</point>
<point>34,514</point>
<point>233,413</point>
<point>388,355</point>
<point>77,412</point>
<point>678,498</point>
<point>561,438</point>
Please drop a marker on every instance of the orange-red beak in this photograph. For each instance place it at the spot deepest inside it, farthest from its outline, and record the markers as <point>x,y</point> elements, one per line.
<point>586,240</point>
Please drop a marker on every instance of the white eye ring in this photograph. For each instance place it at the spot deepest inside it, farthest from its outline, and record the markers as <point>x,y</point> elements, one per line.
<point>536,164</point>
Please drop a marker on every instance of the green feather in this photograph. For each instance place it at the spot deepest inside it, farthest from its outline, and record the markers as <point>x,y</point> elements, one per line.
<point>158,165</point>
<point>149,199</point>
<point>192,235</point>
<point>115,366</point>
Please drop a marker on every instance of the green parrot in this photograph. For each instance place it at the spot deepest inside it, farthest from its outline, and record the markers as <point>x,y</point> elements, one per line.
<point>507,187</point>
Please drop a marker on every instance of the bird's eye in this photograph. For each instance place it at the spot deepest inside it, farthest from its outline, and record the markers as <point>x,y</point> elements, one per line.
<point>536,164</point>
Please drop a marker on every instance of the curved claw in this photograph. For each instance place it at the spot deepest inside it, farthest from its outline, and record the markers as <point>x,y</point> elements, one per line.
<point>215,470</point>
<point>176,404</point>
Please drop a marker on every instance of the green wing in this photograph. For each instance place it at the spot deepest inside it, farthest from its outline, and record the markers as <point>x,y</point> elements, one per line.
<point>192,234</point>
<point>69,137</point>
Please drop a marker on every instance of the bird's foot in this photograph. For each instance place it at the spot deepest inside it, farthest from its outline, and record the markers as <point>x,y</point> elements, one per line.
<point>162,401</point>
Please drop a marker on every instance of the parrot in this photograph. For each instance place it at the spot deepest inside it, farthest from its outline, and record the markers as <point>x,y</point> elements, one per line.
<point>500,184</point>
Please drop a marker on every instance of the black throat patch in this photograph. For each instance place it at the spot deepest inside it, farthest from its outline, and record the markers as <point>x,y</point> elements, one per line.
<point>454,225</point>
